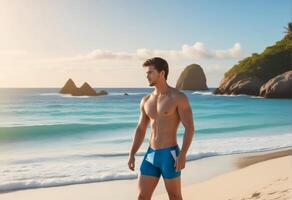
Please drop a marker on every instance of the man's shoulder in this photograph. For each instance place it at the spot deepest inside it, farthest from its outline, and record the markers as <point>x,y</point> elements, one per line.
<point>145,97</point>
<point>178,94</point>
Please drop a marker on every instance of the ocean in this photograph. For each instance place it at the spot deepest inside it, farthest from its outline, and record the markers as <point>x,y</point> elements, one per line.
<point>48,139</point>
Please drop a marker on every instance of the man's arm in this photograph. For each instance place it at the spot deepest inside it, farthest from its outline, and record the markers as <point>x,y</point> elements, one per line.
<point>141,128</point>
<point>186,117</point>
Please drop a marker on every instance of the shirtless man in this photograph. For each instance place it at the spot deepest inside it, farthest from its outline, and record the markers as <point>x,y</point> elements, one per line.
<point>164,108</point>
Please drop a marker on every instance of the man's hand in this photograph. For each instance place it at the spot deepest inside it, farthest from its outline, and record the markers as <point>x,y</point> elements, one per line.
<point>131,162</point>
<point>180,162</point>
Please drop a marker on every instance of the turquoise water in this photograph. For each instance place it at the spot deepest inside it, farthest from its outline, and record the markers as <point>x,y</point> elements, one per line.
<point>48,139</point>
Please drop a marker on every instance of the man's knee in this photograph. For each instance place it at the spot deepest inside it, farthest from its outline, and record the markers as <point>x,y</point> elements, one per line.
<point>143,196</point>
<point>174,196</point>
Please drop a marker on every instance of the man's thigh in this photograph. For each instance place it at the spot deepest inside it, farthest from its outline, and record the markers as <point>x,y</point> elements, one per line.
<point>146,185</point>
<point>173,187</point>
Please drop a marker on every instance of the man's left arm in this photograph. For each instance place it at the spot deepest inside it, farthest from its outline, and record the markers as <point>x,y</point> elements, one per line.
<point>186,117</point>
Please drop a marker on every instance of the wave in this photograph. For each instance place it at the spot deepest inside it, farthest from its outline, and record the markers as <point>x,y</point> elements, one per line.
<point>110,93</point>
<point>238,144</point>
<point>237,128</point>
<point>70,96</point>
<point>62,181</point>
<point>211,147</point>
<point>64,110</point>
<point>226,95</point>
<point>39,131</point>
<point>223,115</point>
<point>202,93</point>
<point>99,113</point>
<point>129,93</point>
<point>48,174</point>
<point>17,133</point>
<point>260,97</point>
<point>50,94</point>
<point>62,95</point>
<point>72,157</point>
<point>201,155</point>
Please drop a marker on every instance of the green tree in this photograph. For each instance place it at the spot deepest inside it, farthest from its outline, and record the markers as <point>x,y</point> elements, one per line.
<point>288,29</point>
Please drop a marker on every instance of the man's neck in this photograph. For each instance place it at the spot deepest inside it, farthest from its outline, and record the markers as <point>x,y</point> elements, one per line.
<point>161,88</point>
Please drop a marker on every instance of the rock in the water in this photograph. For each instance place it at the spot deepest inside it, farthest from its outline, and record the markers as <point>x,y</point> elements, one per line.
<point>278,87</point>
<point>69,87</point>
<point>239,84</point>
<point>84,90</point>
<point>192,78</point>
<point>102,92</point>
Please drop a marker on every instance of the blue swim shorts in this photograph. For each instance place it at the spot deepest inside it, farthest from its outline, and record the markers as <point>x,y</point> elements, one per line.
<point>158,162</point>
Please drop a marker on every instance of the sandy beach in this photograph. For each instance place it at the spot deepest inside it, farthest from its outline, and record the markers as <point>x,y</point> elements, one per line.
<point>263,175</point>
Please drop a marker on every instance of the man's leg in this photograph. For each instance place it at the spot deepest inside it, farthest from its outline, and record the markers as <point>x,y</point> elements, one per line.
<point>171,177</point>
<point>146,186</point>
<point>173,187</point>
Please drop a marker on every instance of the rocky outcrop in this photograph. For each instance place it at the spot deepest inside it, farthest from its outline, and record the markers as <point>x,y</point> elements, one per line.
<point>239,84</point>
<point>84,90</point>
<point>69,87</point>
<point>192,78</point>
<point>278,87</point>
<point>249,75</point>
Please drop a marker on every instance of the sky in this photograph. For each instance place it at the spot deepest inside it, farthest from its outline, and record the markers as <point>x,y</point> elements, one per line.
<point>44,43</point>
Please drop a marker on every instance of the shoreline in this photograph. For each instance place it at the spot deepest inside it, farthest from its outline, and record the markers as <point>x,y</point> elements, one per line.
<point>224,164</point>
<point>265,175</point>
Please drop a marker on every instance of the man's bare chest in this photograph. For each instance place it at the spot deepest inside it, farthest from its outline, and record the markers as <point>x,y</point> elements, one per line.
<point>160,107</point>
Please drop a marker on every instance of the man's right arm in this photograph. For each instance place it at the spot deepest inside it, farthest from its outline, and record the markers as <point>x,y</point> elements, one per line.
<point>141,128</point>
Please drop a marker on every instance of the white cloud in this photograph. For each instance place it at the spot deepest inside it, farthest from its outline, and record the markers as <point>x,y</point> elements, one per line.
<point>192,53</point>
<point>233,52</point>
<point>195,51</point>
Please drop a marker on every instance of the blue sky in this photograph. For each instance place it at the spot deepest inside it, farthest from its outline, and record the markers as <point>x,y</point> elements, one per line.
<point>45,37</point>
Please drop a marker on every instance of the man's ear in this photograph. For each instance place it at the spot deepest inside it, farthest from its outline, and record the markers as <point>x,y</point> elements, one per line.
<point>162,73</point>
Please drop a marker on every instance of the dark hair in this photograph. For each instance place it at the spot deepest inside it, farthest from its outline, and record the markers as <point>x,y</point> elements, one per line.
<point>159,64</point>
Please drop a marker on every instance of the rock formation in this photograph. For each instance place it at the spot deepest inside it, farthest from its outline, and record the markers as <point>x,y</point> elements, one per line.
<point>249,75</point>
<point>239,84</point>
<point>69,87</point>
<point>84,90</point>
<point>278,87</point>
<point>192,78</point>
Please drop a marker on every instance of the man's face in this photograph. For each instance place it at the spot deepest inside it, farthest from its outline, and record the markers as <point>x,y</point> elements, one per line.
<point>153,75</point>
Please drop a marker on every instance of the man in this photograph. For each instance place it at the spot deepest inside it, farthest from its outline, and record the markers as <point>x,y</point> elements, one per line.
<point>164,108</point>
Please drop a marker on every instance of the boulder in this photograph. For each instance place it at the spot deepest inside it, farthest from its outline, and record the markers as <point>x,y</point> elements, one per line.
<point>239,84</point>
<point>278,87</point>
<point>192,78</point>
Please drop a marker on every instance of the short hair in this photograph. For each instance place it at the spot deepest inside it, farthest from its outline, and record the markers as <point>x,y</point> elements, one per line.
<point>159,64</point>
